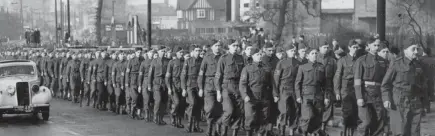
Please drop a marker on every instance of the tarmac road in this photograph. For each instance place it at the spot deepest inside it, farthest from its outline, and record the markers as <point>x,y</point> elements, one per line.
<point>67,119</point>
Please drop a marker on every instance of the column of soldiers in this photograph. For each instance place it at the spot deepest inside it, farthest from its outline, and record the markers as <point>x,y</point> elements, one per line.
<point>294,87</point>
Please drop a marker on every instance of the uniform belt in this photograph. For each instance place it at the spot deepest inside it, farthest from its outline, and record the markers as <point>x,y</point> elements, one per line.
<point>372,83</point>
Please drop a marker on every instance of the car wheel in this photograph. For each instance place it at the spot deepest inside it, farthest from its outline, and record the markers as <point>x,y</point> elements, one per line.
<point>45,116</point>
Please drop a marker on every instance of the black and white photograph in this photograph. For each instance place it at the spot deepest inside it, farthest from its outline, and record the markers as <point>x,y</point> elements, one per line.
<point>217,67</point>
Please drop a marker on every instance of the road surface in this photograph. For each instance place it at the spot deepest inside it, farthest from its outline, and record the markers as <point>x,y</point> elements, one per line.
<point>69,119</point>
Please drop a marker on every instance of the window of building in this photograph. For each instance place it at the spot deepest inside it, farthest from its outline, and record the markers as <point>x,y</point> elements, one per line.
<point>200,13</point>
<point>246,5</point>
<point>202,30</point>
<point>221,30</point>
<point>210,30</point>
<point>257,4</point>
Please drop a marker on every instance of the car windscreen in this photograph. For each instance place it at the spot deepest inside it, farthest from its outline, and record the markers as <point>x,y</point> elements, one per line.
<point>16,70</point>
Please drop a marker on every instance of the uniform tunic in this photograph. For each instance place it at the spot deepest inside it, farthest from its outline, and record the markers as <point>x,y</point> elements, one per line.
<point>147,95</point>
<point>284,78</point>
<point>403,86</point>
<point>173,81</point>
<point>309,85</point>
<point>118,78</point>
<point>156,82</point>
<point>368,74</point>
<point>343,85</point>
<point>330,65</point>
<point>189,82</point>
<point>132,80</point>
<point>256,83</point>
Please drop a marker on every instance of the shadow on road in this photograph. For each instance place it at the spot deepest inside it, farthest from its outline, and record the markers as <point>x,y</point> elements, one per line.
<point>21,120</point>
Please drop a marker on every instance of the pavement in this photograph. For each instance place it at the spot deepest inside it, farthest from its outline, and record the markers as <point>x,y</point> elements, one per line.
<point>67,119</point>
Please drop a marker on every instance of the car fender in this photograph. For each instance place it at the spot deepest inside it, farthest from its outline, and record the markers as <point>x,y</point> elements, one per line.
<point>43,96</point>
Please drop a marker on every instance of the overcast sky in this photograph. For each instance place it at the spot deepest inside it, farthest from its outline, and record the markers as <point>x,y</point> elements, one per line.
<point>337,4</point>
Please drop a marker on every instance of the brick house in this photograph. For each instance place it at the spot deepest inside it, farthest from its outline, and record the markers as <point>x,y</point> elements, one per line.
<point>202,16</point>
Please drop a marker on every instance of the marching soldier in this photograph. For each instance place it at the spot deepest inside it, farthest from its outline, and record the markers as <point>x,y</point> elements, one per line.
<point>173,83</point>
<point>330,65</point>
<point>58,74</point>
<point>284,78</point>
<point>110,88</point>
<point>73,77</point>
<point>255,81</point>
<point>189,84</point>
<point>309,87</point>
<point>118,79</point>
<point>91,76</point>
<point>64,77</point>
<point>227,77</point>
<point>147,95</point>
<point>101,73</point>
<point>212,108</point>
<point>301,57</point>
<point>247,54</point>
<point>51,70</point>
<point>43,66</point>
<point>132,74</point>
<point>84,67</point>
<point>343,87</point>
<point>403,92</point>
<point>156,84</point>
<point>368,74</point>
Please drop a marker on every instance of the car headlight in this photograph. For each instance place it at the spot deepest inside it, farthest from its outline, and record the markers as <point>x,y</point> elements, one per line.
<point>35,88</point>
<point>11,90</point>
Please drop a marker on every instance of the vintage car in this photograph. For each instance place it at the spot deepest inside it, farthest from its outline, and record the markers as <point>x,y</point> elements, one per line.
<point>20,91</point>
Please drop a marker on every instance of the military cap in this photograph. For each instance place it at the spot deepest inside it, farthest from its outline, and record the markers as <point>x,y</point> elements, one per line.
<point>289,47</point>
<point>280,49</point>
<point>178,49</point>
<point>254,50</point>
<point>268,45</point>
<point>138,49</point>
<point>338,51</point>
<point>311,49</point>
<point>193,47</point>
<point>302,46</point>
<point>409,42</point>
<point>161,47</point>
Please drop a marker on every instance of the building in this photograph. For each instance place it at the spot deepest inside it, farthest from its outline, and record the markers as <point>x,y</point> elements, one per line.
<point>164,16</point>
<point>203,16</point>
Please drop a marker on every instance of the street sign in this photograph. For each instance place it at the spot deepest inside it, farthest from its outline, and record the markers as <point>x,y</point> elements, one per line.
<point>119,28</point>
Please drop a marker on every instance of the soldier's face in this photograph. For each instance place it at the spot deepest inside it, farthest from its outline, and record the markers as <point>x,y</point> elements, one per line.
<point>180,54</point>
<point>138,53</point>
<point>291,53</point>
<point>248,51</point>
<point>195,52</point>
<point>412,51</point>
<point>269,51</point>
<point>279,55</point>
<point>374,46</point>
<point>216,48</point>
<point>113,56</point>
<point>312,55</point>
<point>121,56</point>
<point>384,53</point>
<point>232,48</point>
<point>324,49</point>
<point>73,56</point>
<point>161,53</point>
<point>257,57</point>
<point>150,54</point>
<point>354,48</point>
<point>156,56</point>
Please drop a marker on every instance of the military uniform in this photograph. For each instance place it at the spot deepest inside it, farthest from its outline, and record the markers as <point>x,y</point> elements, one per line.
<point>132,82</point>
<point>110,89</point>
<point>73,77</point>
<point>255,83</point>
<point>173,81</point>
<point>156,83</point>
<point>118,79</point>
<point>189,83</point>
<point>227,78</point>
<point>403,86</point>
<point>309,85</point>
<point>284,78</point>
<point>84,68</point>
<point>101,73</point>
<point>51,70</point>
<point>92,85</point>
<point>64,77</point>
<point>330,65</point>
<point>212,108</point>
<point>343,85</point>
<point>368,74</point>
<point>147,95</point>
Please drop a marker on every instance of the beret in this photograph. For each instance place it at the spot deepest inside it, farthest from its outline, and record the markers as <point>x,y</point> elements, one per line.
<point>268,45</point>
<point>289,47</point>
<point>254,50</point>
<point>409,42</point>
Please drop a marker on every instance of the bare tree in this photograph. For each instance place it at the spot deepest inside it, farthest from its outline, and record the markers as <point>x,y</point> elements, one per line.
<point>98,21</point>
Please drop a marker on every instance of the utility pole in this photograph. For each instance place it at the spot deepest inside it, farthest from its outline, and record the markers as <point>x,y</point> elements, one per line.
<point>55,21</point>
<point>149,24</point>
<point>380,19</point>
<point>62,21</point>
<point>69,18</point>
<point>21,14</point>
<point>113,24</point>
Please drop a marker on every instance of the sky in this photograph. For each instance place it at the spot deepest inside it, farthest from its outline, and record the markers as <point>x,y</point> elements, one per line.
<point>337,4</point>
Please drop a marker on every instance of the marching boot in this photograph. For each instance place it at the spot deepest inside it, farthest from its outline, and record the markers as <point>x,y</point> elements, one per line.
<point>145,112</point>
<point>196,127</point>
<point>139,114</point>
<point>249,133</point>
<point>123,109</point>
<point>282,130</point>
<point>179,124</point>
<point>225,131</point>
<point>235,132</point>
<point>127,109</point>
<point>161,121</point>
<point>172,119</point>
<point>189,128</point>
<point>209,129</point>
<point>132,113</point>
